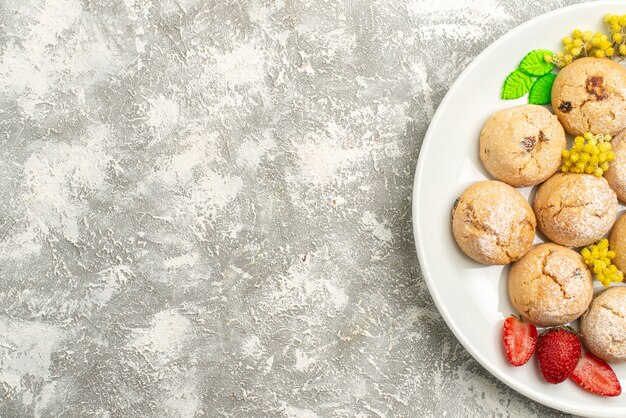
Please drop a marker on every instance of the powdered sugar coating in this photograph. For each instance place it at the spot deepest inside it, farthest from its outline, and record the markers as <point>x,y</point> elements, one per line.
<point>589,95</point>
<point>550,285</point>
<point>616,174</point>
<point>603,327</point>
<point>493,223</point>
<point>617,242</point>
<point>522,146</point>
<point>575,209</point>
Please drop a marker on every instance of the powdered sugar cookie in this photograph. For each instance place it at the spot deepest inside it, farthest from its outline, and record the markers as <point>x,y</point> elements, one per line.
<point>575,209</point>
<point>522,146</point>
<point>603,327</point>
<point>589,95</point>
<point>493,223</point>
<point>550,285</point>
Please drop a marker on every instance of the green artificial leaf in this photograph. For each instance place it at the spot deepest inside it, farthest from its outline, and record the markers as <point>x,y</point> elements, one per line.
<point>535,64</point>
<point>516,85</point>
<point>541,90</point>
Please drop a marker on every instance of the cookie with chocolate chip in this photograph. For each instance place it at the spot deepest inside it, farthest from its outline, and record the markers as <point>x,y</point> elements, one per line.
<point>522,146</point>
<point>589,95</point>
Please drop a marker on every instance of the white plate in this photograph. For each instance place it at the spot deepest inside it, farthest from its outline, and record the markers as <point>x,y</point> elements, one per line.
<point>472,298</point>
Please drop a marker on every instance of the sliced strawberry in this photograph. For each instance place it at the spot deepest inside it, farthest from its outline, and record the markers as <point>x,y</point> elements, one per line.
<point>520,338</point>
<point>596,376</point>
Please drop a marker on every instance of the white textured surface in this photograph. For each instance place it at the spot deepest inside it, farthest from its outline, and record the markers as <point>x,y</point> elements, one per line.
<point>205,208</point>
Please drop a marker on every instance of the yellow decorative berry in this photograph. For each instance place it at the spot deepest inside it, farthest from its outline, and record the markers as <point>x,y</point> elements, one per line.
<point>590,154</point>
<point>598,258</point>
<point>589,44</point>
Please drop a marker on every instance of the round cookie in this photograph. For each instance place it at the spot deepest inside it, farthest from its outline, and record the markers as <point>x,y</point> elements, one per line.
<point>522,146</point>
<point>550,285</point>
<point>493,223</point>
<point>575,209</point>
<point>603,326</point>
<point>616,174</point>
<point>589,95</point>
<point>617,242</point>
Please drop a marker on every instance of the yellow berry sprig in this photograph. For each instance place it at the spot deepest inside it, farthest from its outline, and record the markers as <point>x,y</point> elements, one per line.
<point>590,154</point>
<point>617,27</point>
<point>583,44</point>
<point>598,258</point>
<point>588,44</point>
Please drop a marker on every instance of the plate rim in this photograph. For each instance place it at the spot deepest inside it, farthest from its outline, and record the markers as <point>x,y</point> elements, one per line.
<point>527,391</point>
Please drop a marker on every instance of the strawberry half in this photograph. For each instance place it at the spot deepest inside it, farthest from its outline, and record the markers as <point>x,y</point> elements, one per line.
<point>558,352</point>
<point>596,376</point>
<point>519,338</point>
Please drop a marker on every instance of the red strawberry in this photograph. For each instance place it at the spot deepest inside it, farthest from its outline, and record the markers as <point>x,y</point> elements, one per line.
<point>596,376</point>
<point>519,339</point>
<point>558,351</point>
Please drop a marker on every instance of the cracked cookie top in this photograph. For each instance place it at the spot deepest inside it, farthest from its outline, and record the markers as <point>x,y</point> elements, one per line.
<point>603,327</point>
<point>550,285</point>
<point>617,242</point>
<point>575,209</point>
<point>589,95</point>
<point>522,146</point>
<point>493,223</point>
<point>616,174</point>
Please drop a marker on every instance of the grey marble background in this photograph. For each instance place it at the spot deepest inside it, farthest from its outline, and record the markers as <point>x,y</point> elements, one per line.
<point>205,208</point>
